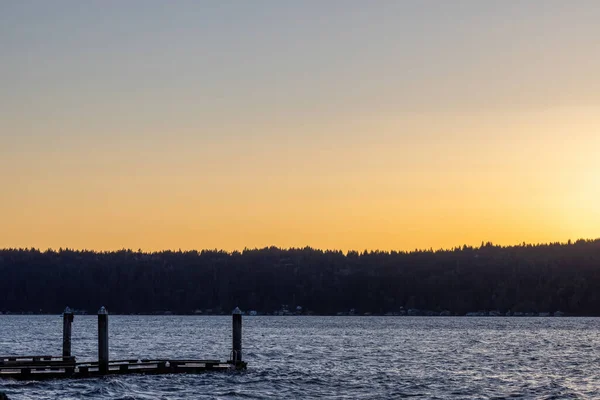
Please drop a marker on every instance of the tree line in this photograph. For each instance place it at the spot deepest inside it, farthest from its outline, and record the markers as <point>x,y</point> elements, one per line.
<point>524,278</point>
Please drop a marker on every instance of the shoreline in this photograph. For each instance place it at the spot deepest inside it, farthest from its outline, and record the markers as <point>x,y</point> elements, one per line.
<point>477,315</point>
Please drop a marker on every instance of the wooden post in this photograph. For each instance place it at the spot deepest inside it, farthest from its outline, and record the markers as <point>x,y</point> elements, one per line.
<point>103,340</point>
<point>236,354</point>
<point>67,321</point>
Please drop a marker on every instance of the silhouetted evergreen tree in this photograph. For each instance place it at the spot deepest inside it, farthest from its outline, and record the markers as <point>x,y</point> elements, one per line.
<point>525,278</point>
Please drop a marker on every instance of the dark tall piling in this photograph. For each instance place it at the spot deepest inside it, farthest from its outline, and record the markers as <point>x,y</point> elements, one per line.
<point>67,321</point>
<point>103,340</point>
<point>236,353</point>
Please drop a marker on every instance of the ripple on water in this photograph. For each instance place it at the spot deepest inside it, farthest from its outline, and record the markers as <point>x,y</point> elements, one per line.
<point>325,357</point>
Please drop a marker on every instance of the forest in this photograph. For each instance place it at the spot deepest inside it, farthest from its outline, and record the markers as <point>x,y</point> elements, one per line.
<point>526,278</point>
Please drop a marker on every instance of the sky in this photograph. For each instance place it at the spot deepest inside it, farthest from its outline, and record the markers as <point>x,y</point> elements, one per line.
<point>389,125</point>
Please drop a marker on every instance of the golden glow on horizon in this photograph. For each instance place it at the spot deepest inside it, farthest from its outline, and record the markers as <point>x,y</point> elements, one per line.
<point>501,177</point>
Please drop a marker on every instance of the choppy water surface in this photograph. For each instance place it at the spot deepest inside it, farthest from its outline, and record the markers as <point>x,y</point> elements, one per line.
<point>326,357</point>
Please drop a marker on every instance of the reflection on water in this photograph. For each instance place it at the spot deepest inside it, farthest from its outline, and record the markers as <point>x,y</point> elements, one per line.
<point>331,357</point>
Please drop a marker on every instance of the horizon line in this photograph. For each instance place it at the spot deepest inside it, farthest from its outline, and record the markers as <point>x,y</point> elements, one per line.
<point>332,250</point>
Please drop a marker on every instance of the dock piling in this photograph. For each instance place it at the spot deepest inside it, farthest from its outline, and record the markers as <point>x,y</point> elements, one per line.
<point>67,321</point>
<point>103,340</point>
<point>236,354</point>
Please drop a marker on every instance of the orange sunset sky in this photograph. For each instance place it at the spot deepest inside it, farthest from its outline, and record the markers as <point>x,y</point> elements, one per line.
<point>340,124</point>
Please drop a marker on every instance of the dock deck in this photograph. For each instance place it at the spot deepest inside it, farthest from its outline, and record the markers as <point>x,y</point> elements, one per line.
<point>49,367</point>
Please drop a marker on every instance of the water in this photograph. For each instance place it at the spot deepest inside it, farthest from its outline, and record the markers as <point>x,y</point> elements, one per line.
<point>326,357</point>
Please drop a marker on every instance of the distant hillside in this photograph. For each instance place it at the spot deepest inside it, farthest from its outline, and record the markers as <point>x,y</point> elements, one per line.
<point>526,278</point>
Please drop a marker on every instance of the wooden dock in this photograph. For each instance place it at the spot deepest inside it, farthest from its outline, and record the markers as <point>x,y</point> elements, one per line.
<point>40,367</point>
<point>54,369</point>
